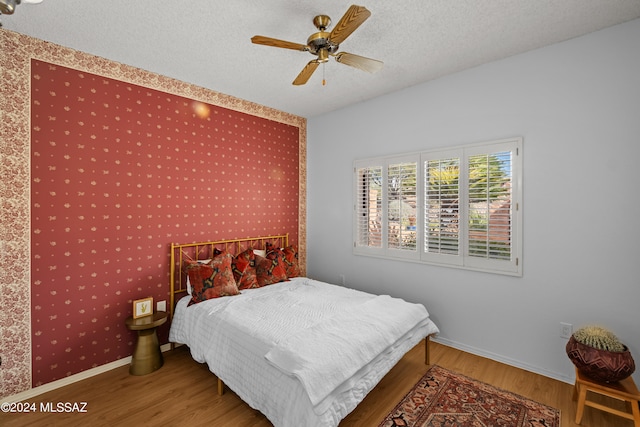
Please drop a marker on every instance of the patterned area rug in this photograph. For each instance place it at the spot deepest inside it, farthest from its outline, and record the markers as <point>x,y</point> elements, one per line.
<point>444,398</point>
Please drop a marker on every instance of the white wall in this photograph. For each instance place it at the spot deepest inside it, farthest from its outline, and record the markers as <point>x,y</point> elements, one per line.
<point>577,105</point>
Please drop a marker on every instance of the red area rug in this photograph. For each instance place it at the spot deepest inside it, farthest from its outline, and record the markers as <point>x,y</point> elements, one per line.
<point>445,398</point>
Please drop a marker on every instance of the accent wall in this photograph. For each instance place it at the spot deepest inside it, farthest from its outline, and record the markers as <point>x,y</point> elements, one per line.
<point>110,165</point>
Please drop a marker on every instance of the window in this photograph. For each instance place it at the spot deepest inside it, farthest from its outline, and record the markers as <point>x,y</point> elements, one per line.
<point>458,207</point>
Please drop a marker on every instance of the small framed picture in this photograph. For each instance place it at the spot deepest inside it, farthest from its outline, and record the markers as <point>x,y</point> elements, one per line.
<point>142,307</point>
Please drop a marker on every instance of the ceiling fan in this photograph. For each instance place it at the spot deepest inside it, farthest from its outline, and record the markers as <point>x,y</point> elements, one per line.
<point>7,7</point>
<point>324,44</point>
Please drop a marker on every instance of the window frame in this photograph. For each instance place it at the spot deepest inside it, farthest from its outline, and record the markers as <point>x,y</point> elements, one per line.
<point>511,266</point>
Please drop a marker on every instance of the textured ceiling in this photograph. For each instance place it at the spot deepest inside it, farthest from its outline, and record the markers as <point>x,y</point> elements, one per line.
<point>207,42</point>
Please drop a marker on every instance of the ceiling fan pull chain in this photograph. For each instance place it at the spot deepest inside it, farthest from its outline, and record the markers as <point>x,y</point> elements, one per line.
<point>324,82</point>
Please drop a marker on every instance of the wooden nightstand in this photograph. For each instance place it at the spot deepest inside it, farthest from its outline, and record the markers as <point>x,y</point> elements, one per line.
<point>147,356</point>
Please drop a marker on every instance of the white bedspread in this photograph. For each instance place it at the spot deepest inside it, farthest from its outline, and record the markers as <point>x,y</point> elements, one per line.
<point>328,353</point>
<point>236,335</point>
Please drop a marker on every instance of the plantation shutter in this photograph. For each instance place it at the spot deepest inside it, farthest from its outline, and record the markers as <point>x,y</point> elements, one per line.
<point>368,207</point>
<point>402,205</point>
<point>493,205</point>
<point>442,197</point>
<point>441,187</point>
<point>489,231</point>
<point>459,207</point>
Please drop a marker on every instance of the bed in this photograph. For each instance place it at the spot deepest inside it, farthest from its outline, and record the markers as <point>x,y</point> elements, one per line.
<point>301,351</point>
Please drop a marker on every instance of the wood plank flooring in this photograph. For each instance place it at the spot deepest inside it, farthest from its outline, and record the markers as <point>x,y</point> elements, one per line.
<point>183,393</point>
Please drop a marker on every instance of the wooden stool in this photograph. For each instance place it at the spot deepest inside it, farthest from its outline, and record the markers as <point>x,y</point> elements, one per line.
<point>624,390</point>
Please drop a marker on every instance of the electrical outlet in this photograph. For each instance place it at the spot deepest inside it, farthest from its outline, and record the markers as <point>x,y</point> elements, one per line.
<point>161,306</point>
<point>566,329</point>
<point>342,279</point>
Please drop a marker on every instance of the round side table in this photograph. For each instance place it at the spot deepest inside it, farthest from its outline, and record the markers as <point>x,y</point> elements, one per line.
<point>147,356</point>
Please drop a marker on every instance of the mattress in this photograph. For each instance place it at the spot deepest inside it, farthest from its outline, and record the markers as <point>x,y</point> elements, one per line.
<point>244,341</point>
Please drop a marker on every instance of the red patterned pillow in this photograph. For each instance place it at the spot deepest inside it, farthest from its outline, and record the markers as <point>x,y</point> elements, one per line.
<point>271,269</point>
<point>244,270</point>
<point>212,280</point>
<point>291,261</point>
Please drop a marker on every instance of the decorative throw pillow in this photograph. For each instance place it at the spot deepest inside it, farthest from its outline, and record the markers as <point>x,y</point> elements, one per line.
<point>244,270</point>
<point>200,261</point>
<point>212,280</point>
<point>270,269</point>
<point>291,261</point>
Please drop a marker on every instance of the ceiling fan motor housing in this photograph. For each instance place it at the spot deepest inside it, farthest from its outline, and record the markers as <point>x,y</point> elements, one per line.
<point>319,41</point>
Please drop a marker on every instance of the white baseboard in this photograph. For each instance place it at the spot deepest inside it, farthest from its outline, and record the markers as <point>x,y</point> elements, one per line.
<point>505,360</point>
<point>33,392</point>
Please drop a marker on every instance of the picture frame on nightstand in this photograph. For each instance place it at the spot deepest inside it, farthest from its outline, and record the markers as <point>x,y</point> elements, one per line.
<point>142,307</point>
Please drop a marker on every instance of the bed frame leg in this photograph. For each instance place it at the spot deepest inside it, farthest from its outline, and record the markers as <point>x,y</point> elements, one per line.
<point>220,387</point>
<point>427,357</point>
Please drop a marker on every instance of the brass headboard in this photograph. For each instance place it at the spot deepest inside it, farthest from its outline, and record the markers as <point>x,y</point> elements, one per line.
<point>205,250</point>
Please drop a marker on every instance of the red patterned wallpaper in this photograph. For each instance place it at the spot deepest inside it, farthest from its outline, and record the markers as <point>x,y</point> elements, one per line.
<point>119,172</point>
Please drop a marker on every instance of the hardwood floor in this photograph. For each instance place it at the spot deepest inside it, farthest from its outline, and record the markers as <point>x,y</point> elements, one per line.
<point>183,393</point>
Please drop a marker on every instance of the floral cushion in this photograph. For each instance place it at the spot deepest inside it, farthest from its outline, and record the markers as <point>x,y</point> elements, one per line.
<point>186,264</point>
<point>291,261</point>
<point>244,270</point>
<point>211,280</point>
<point>271,268</point>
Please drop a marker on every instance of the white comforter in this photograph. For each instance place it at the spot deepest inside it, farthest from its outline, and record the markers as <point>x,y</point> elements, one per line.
<point>270,346</point>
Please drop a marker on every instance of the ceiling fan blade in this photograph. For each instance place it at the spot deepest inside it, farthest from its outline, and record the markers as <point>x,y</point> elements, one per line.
<point>360,62</point>
<point>306,73</point>
<point>351,20</point>
<point>269,41</point>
